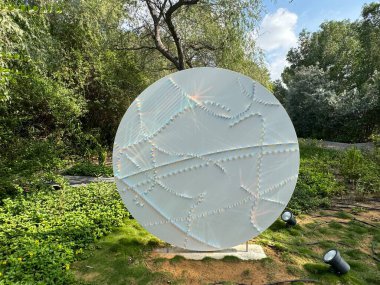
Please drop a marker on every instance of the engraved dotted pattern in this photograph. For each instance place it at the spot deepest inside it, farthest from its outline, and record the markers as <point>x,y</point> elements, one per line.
<point>157,169</point>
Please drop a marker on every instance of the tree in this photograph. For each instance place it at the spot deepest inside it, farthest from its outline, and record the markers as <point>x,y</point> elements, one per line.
<point>63,87</point>
<point>279,91</point>
<point>309,101</point>
<point>347,54</point>
<point>108,79</point>
<point>369,32</point>
<point>38,112</point>
<point>189,33</point>
<point>334,48</point>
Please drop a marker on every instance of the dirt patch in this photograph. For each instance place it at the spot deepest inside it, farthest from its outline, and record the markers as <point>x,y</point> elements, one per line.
<point>198,272</point>
<point>365,245</point>
<point>369,216</point>
<point>88,277</point>
<point>214,271</point>
<point>325,218</point>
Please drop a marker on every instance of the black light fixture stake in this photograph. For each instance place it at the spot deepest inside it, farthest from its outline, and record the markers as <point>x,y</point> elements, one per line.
<point>333,258</point>
<point>288,218</point>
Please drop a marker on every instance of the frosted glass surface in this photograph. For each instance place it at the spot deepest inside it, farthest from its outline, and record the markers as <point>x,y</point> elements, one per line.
<point>206,158</point>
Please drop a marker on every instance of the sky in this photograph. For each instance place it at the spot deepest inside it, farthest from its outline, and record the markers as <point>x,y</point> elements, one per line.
<point>283,20</point>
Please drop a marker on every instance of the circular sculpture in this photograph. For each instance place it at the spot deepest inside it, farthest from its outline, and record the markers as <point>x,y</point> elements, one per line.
<point>206,158</point>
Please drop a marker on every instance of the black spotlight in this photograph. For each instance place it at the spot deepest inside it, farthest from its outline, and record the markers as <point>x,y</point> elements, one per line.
<point>333,258</point>
<point>288,218</point>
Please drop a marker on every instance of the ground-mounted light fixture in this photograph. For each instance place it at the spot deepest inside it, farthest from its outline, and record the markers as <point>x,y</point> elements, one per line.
<point>288,218</point>
<point>333,258</point>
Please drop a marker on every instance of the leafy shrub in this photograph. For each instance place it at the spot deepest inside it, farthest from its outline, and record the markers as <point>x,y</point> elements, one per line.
<point>361,170</point>
<point>375,138</point>
<point>352,162</point>
<point>314,188</point>
<point>27,165</point>
<point>43,232</point>
<point>90,169</point>
<point>87,145</point>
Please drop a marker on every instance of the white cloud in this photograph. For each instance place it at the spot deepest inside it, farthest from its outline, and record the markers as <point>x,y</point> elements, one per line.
<point>277,30</point>
<point>275,37</point>
<point>277,65</point>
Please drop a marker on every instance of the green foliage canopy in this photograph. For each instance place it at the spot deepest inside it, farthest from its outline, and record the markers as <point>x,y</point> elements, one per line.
<point>346,59</point>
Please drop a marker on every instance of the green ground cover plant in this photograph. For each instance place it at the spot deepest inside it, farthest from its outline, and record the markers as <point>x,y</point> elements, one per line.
<point>43,232</point>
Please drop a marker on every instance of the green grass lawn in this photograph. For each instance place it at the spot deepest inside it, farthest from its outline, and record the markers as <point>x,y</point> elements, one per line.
<point>301,247</point>
<point>123,257</point>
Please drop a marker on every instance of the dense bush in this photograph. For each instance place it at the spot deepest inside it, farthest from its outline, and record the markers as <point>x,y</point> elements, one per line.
<point>89,169</point>
<point>42,233</point>
<point>29,165</point>
<point>63,86</point>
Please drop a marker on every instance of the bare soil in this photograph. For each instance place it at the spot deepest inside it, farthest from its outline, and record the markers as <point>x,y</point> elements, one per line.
<point>217,271</point>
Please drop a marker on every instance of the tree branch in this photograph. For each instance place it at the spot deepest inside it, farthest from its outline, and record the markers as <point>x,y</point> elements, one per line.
<point>173,32</point>
<point>156,35</point>
<point>202,47</point>
<point>188,62</point>
<point>134,48</point>
<point>180,3</point>
<point>163,18</point>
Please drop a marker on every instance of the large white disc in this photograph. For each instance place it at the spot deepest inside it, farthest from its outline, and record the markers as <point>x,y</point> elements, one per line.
<point>206,158</point>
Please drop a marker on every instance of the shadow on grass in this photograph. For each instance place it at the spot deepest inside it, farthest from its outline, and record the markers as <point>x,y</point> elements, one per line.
<point>119,259</point>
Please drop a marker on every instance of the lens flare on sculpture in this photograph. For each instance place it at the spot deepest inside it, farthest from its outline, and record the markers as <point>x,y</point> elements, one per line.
<point>206,158</point>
